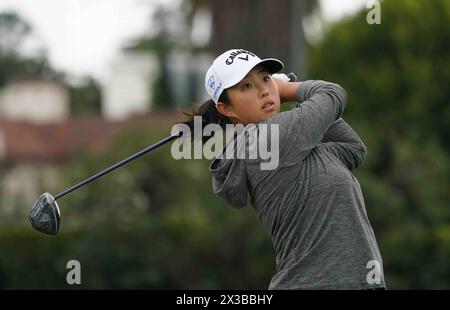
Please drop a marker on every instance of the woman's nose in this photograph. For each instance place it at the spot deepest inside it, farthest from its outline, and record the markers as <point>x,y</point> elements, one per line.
<point>264,92</point>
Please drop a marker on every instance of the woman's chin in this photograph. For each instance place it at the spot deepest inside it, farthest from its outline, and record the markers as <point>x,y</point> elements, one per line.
<point>269,115</point>
<point>274,111</point>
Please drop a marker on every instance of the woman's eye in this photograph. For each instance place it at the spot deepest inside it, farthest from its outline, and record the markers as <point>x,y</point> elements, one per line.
<point>247,85</point>
<point>267,78</point>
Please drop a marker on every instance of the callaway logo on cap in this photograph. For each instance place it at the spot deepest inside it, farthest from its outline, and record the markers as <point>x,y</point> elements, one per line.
<point>231,67</point>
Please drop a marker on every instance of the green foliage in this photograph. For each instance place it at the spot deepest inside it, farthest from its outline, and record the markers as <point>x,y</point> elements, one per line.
<point>397,75</point>
<point>152,224</point>
<point>397,71</point>
<point>13,32</point>
<point>14,66</point>
<point>160,44</point>
<point>156,224</point>
<point>86,98</point>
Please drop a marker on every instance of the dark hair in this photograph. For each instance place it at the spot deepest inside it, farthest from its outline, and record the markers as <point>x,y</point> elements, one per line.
<point>209,114</point>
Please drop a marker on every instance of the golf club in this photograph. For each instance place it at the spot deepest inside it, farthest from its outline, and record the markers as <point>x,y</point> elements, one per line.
<point>45,215</point>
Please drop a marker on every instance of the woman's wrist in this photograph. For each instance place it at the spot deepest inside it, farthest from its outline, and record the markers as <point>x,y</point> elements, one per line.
<point>288,92</point>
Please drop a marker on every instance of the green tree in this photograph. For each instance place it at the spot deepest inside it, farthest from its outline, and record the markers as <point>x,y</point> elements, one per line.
<point>161,44</point>
<point>153,224</point>
<point>85,98</point>
<point>397,77</point>
<point>13,32</point>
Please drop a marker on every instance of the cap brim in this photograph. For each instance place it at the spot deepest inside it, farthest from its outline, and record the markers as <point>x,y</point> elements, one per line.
<point>272,65</point>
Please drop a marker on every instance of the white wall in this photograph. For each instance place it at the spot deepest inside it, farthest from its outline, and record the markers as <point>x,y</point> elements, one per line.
<point>38,102</point>
<point>128,90</point>
<point>183,68</point>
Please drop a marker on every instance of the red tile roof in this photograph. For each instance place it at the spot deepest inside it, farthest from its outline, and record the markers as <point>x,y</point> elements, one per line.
<point>26,142</point>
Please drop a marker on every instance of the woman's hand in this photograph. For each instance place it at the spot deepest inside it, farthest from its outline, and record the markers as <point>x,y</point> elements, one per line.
<point>286,89</point>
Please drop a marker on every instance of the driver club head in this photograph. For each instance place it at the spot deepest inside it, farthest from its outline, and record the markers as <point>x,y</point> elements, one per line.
<point>45,215</point>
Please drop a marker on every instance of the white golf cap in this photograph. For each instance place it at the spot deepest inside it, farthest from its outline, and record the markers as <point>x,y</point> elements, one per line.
<point>231,67</point>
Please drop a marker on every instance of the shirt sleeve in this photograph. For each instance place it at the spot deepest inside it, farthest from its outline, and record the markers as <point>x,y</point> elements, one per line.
<point>344,143</point>
<point>302,128</point>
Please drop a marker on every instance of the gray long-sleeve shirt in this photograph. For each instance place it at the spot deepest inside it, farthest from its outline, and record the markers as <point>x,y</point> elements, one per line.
<point>311,204</point>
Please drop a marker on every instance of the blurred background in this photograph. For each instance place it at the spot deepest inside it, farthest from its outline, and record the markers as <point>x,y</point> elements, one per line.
<point>84,84</point>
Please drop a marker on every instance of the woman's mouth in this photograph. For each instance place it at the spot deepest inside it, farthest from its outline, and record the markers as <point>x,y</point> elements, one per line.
<point>268,105</point>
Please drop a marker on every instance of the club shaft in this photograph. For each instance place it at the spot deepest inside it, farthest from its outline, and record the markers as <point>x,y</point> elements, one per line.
<point>117,165</point>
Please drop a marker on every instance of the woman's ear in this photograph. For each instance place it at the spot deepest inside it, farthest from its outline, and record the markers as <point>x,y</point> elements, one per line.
<point>226,110</point>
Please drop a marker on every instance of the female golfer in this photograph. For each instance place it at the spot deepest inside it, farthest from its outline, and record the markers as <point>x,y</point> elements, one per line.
<point>310,203</point>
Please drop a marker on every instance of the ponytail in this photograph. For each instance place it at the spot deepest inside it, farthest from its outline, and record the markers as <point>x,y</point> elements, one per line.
<point>209,114</point>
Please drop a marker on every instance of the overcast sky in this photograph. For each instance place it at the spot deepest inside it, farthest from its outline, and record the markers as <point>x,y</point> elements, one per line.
<point>83,36</point>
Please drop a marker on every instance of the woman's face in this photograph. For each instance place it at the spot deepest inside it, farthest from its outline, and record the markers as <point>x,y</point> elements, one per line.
<point>253,99</point>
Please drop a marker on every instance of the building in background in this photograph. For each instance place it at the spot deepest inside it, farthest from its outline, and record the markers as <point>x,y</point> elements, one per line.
<point>37,131</point>
<point>131,86</point>
<point>31,155</point>
<point>34,100</point>
<point>128,91</point>
<point>187,77</point>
